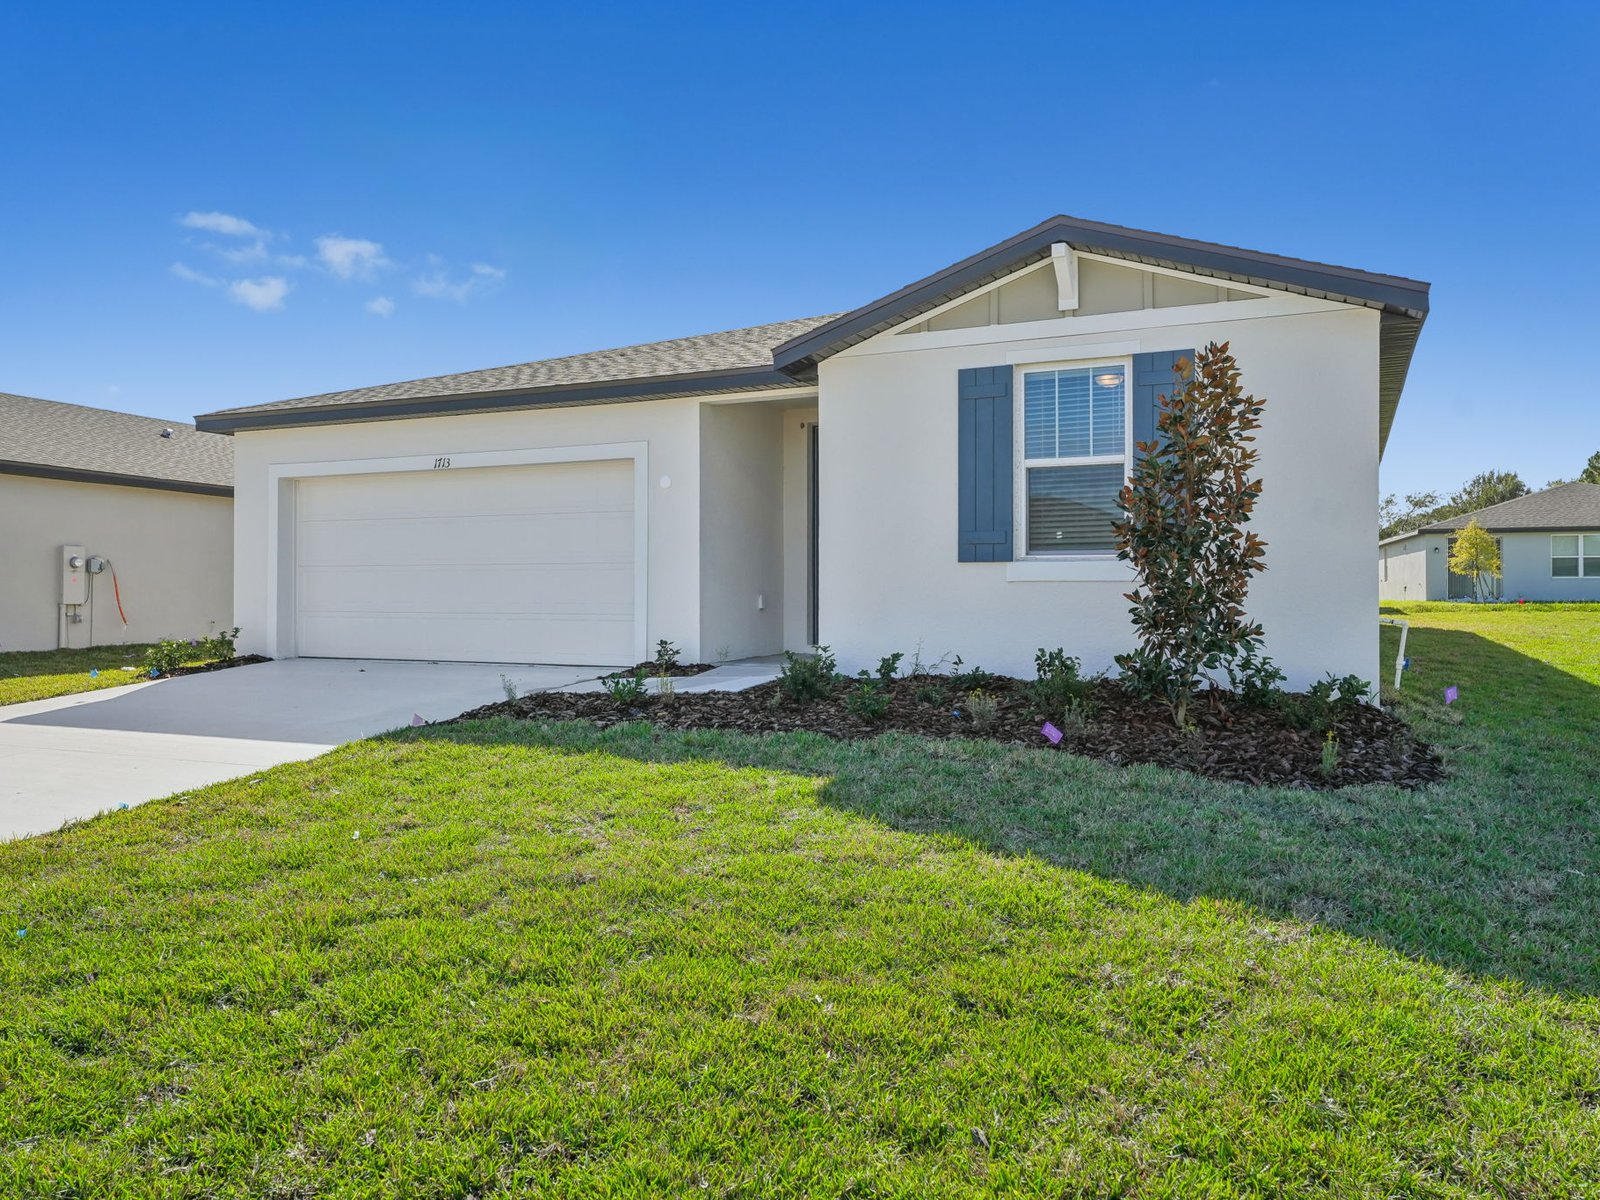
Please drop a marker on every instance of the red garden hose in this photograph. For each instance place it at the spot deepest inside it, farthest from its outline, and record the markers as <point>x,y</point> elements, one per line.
<point>116,592</point>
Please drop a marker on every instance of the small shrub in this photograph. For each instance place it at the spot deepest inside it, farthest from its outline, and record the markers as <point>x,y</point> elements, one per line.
<point>974,680</point>
<point>928,693</point>
<point>1256,678</point>
<point>1059,686</point>
<point>509,688</point>
<point>166,657</point>
<point>666,657</point>
<point>219,647</point>
<point>626,690</point>
<point>1330,755</point>
<point>868,700</point>
<point>1324,702</point>
<point>889,667</point>
<point>983,710</point>
<point>666,690</point>
<point>1077,713</point>
<point>807,679</point>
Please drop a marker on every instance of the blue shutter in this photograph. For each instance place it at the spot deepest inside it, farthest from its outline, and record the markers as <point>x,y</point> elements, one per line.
<point>1152,379</point>
<point>984,465</point>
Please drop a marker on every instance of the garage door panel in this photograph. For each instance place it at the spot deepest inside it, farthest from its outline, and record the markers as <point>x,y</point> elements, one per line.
<point>472,638</point>
<point>514,564</point>
<point>467,541</point>
<point>556,591</point>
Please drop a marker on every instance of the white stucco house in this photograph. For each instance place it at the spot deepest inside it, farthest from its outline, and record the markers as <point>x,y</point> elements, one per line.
<point>146,502</point>
<point>1549,551</point>
<point>936,468</point>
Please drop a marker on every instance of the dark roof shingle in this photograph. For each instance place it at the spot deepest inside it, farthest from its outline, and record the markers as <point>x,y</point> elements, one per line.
<point>47,437</point>
<point>735,359</point>
<point>1569,506</point>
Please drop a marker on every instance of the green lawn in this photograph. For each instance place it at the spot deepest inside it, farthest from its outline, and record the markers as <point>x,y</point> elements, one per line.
<point>565,962</point>
<point>40,674</point>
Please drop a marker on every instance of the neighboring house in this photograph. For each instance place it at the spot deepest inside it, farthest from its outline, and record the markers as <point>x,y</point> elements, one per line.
<point>935,471</point>
<point>1549,550</point>
<point>150,499</point>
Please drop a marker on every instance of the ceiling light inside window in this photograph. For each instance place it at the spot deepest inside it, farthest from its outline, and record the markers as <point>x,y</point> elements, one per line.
<point>1109,380</point>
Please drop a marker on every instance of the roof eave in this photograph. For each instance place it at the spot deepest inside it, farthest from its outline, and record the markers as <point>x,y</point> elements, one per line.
<point>112,478</point>
<point>656,387</point>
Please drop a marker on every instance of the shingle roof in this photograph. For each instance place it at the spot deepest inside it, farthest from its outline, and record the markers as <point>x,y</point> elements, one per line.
<point>1570,506</point>
<point>734,360</point>
<point>51,439</point>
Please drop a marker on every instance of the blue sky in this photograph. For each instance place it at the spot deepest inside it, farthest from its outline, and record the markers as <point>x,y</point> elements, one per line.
<point>217,205</point>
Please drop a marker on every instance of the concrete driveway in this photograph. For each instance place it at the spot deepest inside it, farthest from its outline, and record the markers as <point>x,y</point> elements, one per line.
<point>75,756</point>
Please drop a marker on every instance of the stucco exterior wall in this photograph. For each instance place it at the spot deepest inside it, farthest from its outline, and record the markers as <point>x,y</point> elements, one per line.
<point>1525,567</point>
<point>1414,571</point>
<point>741,530</point>
<point>173,553</point>
<point>889,577</point>
<point>670,430</point>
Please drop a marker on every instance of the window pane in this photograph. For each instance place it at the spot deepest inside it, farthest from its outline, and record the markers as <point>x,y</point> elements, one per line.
<point>1564,545</point>
<point>1591,545</point>
<point>1564,568</point>
<point>1070,509</point>
<point>1039,414</point>
<point>1591,567</point>
<point>1110,405</point>
<point>1072,398</point>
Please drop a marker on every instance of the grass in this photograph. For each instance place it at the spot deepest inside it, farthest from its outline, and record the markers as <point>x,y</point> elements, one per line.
<point>40,674</point>
<point>501,959</point>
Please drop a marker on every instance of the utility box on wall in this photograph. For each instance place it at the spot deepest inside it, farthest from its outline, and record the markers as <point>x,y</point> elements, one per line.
<point>74,576</point>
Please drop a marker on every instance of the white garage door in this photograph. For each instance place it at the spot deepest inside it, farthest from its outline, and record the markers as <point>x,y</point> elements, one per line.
<point>491,564</point>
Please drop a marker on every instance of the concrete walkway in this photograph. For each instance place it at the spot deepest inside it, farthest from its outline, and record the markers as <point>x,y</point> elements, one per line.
<point>75,756</point>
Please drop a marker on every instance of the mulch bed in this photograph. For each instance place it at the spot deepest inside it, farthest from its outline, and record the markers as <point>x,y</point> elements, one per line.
<point>222,664</point>
<point>653,669</point>
<point>1232,741</point>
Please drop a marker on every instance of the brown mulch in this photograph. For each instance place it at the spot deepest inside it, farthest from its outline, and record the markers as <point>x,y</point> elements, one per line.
<point>653,669</point>
<point>1231,740</point>
<point>222,664</point>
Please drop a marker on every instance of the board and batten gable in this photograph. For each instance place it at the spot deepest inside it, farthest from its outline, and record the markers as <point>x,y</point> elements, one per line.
<point>891,577</point>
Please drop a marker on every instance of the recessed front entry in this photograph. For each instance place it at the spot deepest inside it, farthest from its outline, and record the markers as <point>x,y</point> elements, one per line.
<point>488,564</point>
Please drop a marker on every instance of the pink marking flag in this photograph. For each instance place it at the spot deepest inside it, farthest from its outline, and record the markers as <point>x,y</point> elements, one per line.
<point>1051,734</point>
<point>1450,694</point>
<point>416,719</point>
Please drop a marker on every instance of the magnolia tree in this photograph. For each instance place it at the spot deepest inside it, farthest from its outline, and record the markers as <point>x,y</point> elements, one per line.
<point>1186,506</point>
<point>1476,555</point>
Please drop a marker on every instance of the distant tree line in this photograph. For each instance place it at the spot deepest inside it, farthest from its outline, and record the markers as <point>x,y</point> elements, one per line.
<point>1402,514</point>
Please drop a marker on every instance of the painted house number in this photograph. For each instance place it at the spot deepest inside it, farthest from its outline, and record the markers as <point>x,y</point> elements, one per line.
<point>441,463</point>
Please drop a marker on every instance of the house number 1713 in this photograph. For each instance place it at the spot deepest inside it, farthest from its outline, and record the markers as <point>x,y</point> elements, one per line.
<point>440,463</point>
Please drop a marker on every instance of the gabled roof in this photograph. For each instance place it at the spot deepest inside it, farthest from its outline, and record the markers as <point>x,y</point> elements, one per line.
<point>51,440</point>
<point>1569,507</point>
<point>737,360</point>
<point>1403,302</point>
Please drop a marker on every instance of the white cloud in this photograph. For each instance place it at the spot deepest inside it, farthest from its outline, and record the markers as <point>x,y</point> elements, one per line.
<point>351,258</point>
<point>263,295</point>
<point>438,285</point>
<point>190,275</point>
<point>381,305</point>
<point>216,222</point>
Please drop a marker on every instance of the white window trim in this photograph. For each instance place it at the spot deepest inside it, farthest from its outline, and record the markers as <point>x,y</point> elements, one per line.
<point>1581,556</point>
<point>1020,464</point>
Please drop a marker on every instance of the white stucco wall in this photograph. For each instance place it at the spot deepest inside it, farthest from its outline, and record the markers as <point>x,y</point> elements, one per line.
<point>889,577</point>
<point>741,530</point>
<point>1414,571</point>
<point>670,430</point>
<point>173,553</point>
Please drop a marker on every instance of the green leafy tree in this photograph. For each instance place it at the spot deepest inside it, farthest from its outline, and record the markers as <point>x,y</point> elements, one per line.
<point>1591,472</point>
<point>1185,511</point>
<point>1397,516</point>
<point>1476,554</point>
<point>1482,490</point>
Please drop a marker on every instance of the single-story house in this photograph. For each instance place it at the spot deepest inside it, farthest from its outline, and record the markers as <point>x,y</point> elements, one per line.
<point>934,472</point>
<point>1549,550</point>
<point>97,505</point>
